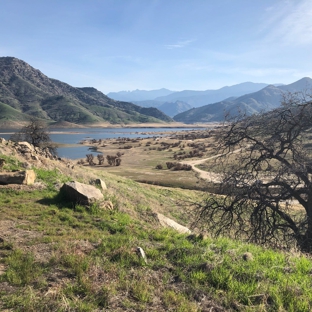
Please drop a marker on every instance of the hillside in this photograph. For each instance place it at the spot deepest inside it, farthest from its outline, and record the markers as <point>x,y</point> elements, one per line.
<point>266,99</point>
<point>30,92</point>
<point>56,256</point>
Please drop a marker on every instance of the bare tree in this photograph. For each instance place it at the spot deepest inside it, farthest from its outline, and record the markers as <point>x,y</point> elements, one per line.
<point>90,159</point>
<point>101,159</point>
<point>36,133</point>
<point>118,161</point>
<point>267,167</point>
<point>111,160</point>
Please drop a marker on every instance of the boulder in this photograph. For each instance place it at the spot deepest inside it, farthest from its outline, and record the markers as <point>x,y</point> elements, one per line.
<point>99,183</point>
<point>80,193</point>
<point>166,222</point>
<point>27,177</point>
<point>24,147</point>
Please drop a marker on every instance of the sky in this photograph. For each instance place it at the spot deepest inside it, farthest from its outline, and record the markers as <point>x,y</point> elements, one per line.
<point>116,45</point>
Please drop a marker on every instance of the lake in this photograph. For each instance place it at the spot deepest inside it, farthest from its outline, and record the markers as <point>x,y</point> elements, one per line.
<point>75,135</point>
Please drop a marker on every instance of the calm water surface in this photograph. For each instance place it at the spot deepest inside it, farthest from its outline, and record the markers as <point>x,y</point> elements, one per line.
<point>76,135</point>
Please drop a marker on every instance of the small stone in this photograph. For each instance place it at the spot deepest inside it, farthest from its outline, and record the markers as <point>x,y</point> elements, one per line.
<point>247,256</point>
<point>100,183</point>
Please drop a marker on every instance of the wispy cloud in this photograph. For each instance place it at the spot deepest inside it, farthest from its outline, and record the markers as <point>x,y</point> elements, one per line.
<point>291,23</point>
<point>179,44</point>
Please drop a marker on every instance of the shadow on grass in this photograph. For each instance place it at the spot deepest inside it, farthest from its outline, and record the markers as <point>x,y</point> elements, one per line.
<point>60,200</point>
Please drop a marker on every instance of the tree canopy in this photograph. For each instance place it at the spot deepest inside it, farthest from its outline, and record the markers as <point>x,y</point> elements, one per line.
<point>266,163</point>
<point>35,133</point>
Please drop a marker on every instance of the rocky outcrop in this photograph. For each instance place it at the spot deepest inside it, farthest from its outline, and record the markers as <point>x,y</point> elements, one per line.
<point>31,152</point>
<point>26,177</point>
<point>166,222</point>
<point>83,194</point>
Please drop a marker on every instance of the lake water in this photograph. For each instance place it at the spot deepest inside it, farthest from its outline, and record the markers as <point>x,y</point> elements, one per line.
<point>76,135</point>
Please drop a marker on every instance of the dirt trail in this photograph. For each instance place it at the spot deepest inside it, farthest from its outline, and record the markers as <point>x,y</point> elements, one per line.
<point>216,178</point>
<point>207,175</point>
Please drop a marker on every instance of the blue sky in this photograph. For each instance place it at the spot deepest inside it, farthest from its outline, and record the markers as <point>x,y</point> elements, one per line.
<point>116,45</point>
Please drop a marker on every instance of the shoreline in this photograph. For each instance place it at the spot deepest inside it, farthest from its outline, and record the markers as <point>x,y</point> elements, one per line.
<point>118,126</point>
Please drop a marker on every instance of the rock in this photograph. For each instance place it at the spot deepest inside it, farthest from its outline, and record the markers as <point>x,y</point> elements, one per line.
<point>27,177</point>
<point>24,147</point>
<point>80,193</point>
<point>107,205</point>
<point>247,256</point>
<point>166,222</point>
<point>26,165</point>
<point>99,183</point>
<point>141,254</point>
<point>34,157</point>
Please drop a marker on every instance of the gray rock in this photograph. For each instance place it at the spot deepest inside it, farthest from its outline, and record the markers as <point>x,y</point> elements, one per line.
<point>80,193</point>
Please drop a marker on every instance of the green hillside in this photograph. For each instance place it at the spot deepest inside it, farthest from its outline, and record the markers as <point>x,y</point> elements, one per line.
<point>8,113</point>
<point>58,257</point>
<point>30,92</point>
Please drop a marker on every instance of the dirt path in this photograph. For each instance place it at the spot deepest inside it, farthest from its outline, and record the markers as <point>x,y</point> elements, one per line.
<point>207,175</point>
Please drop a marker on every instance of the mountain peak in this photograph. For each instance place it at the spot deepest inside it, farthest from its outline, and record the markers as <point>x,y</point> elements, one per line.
<point>30,92</point>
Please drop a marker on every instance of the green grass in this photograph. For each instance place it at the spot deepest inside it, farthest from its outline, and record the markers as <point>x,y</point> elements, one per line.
<point>11,164</point>
<point>58,258</point>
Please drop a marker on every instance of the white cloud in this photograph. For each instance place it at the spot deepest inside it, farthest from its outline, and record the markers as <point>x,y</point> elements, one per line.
<point>290,23</point>
<point>178,45</point>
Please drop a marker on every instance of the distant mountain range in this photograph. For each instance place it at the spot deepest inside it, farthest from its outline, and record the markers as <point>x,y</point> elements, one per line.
<point>139,95</point>
<point>25,91</point>
<point>265,99</point>
<point>170,102</point>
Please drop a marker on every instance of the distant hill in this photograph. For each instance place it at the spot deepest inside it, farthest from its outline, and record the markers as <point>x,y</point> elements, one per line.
<point>264,100</point>
<point>172,109</point>
<point>200,98</point>
<point>165,100</point>
<point>169,108</point>
<point>139,95</point>
<point>29,92</point>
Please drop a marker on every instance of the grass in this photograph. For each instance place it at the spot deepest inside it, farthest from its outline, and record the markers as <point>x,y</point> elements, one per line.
<point>57,258</point>
<point>139,162</point>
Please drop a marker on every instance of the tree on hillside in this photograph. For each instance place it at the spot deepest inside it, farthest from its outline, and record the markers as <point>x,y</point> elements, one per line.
<point>36,133</point>
<point>266,163</point>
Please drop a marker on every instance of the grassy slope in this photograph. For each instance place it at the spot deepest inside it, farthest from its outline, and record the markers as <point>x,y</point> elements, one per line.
<point>56,258</point>
<point>10,114</point>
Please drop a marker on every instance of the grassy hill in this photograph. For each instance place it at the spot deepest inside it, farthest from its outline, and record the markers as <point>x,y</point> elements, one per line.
<point>30,92</point>
<point>58,257</point>
<point>8,113</point>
